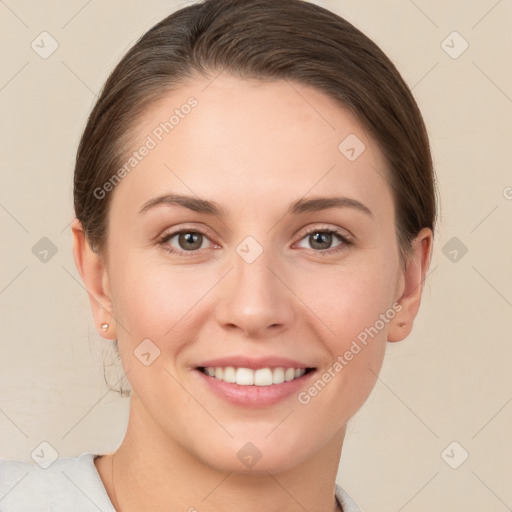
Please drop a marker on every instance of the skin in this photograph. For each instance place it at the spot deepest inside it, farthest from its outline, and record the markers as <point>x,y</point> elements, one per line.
<point>253,147</point>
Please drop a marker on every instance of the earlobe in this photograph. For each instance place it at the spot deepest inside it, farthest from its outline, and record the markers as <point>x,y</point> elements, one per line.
<point>95,278</point>
<point>412,286</point>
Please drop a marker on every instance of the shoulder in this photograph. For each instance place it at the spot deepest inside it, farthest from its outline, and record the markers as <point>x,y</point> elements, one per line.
<point>52,487</point>
<point>346,502</point>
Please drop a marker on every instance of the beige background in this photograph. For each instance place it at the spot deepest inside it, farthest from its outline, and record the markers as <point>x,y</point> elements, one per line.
<point>449,381</point>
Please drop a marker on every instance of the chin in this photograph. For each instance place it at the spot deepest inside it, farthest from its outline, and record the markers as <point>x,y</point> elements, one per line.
<point>258,457</point>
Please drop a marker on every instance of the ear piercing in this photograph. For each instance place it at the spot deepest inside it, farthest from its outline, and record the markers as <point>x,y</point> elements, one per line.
<point>104,326</point>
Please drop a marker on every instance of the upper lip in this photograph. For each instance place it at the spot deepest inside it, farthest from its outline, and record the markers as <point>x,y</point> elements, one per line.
<point>253,362</point>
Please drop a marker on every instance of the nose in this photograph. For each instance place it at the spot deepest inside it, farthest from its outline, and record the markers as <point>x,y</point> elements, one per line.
<point>255,299</point>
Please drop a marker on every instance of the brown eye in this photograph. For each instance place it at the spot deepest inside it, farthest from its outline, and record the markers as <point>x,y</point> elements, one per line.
<point>321,241</point>
<point>186,240</point>
<point>189,240</point>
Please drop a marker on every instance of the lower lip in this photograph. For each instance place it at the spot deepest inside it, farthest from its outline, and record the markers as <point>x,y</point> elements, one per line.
<point>254,396</point>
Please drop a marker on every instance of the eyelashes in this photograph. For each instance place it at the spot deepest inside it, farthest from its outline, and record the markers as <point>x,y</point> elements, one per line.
<point>170,236</point>
<point>345,242</point>
<point>200,235</point>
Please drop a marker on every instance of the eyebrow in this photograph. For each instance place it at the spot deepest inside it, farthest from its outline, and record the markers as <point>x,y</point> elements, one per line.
<point>296,208</point>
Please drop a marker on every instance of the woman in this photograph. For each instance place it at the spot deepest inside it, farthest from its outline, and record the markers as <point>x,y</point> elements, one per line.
<point>255,207</point>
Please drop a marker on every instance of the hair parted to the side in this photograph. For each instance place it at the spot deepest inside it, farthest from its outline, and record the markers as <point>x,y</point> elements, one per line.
<point>260,39</point>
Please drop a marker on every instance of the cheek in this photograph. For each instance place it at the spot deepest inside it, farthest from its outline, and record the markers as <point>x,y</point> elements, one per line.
<point>347,300</point>
<point>153,297</point>
<point>155,302</point>
<point>353,307</point>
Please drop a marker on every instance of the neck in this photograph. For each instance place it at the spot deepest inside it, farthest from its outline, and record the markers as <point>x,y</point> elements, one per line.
<point>152,472</point>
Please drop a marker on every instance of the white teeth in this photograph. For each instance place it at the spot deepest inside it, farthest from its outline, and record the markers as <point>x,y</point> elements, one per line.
<point>244,376</point>
<point>229,374</point>
<point>259,377</point>
<point>263,377</point>
<point>289,374</point>
<point>278,376</point>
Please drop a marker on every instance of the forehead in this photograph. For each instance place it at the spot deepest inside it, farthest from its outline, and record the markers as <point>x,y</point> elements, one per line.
<point>251,140</point>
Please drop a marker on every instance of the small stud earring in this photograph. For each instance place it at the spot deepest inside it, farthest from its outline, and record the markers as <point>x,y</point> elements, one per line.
<point>104,326</point>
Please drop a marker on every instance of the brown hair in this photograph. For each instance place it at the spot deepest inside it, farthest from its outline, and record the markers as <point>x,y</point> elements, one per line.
<point>263,39</point>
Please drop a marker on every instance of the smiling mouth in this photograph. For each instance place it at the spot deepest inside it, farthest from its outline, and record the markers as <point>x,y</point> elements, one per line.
<point>258,377</point>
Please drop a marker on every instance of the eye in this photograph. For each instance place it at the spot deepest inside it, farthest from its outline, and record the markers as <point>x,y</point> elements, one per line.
<point>189,241</point>
<point>321,239</point>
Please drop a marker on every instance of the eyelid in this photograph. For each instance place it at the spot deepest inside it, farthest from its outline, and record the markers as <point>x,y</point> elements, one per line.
<point>186,227</point>
<point>346,238</point>
<point>326,227</point>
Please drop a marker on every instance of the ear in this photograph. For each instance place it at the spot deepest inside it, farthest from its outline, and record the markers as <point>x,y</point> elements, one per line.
<point>411,286</point>
<point>94,275</point>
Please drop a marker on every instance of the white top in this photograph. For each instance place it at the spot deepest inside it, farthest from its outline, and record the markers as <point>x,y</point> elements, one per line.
<point>71,483</point>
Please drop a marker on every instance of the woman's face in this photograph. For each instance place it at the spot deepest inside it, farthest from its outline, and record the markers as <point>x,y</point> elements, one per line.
<point>258,283</point>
